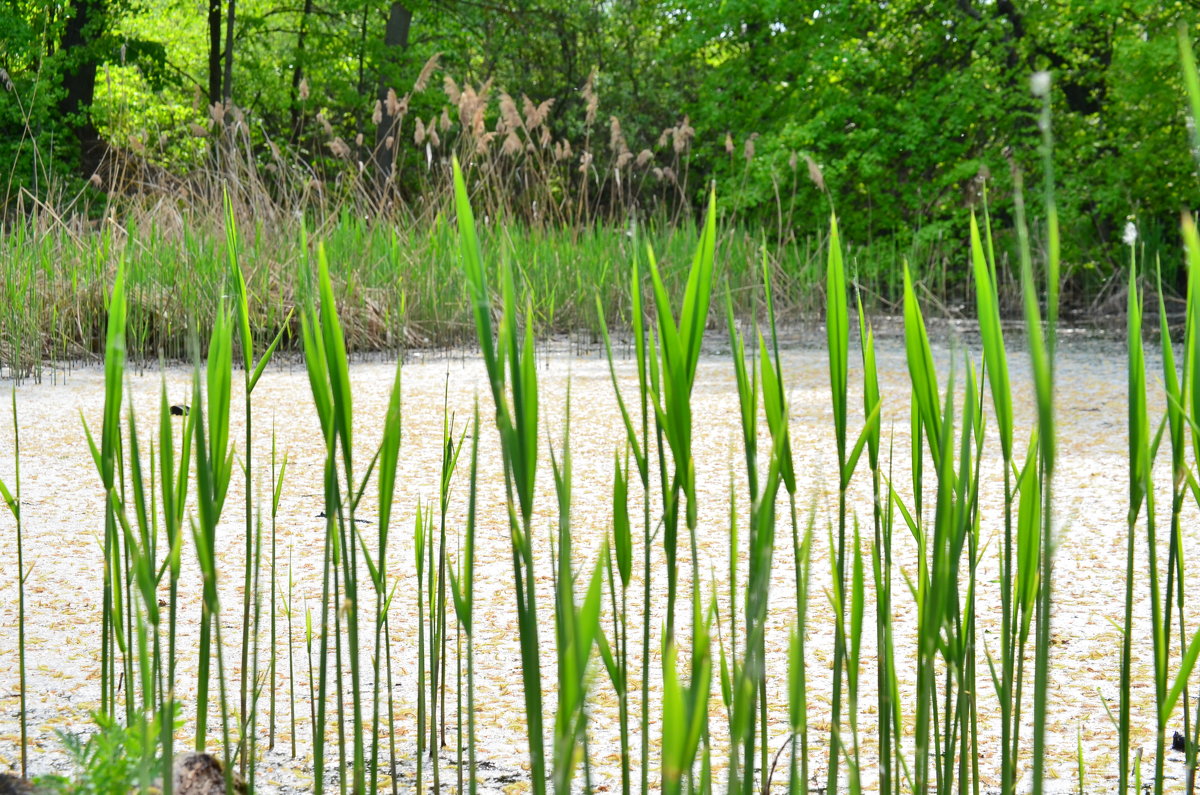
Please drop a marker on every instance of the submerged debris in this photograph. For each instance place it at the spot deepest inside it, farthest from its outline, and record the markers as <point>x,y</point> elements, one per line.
<point>322,515</point>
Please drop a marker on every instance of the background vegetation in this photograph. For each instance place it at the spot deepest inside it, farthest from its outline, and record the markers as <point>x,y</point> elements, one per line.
<point>568,112</point>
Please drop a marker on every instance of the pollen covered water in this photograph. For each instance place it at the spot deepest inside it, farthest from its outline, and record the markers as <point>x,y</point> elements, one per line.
<point>63,510</point>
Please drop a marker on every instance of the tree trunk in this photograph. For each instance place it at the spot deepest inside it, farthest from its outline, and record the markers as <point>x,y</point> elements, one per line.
<point>227,87</point>
<point>214,52</point>
<point>395,40</point>
<point>84,26</point>
<point>298,71</point>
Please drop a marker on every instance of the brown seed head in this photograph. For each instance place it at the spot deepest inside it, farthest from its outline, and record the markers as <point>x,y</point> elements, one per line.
<point>590,100</point>
<point>508,112</point>
<point>615,139</point>
<point>426,72</point>
<point>451,88</point>
<point>682,135</point>
<point>339,148</point>
<point>814,172</point>
<point>538,115</point>
<point>748,149</point>
<point>483,142</point>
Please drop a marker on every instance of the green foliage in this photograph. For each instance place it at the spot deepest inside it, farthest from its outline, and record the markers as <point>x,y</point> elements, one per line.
<point>900,111</point>
<point>107,762</point>
<point>904,105</point>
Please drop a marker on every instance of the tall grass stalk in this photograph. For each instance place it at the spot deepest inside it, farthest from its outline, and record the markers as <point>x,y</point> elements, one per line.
<point>277,475</point>
<point>463,591</point>
<point>1042,346</point>
<point>389,456</point>
<point>1189,392</point>
<point>881,564</point>
<point>945,633</point>
<point>837,330</point>
<point>983,262</point>
<point>437,595</point>
<point>140,546</point>
<point>1141,495</point>
<point>576,627</point>
<point>749,685</point>
<point>12,499</point>
<point>679,345</point>
<point>105,459</point>
<point>616,654</point>
<point>797,675</point>
<point>251,372</point>
<point>1191,403</point>
<point>329,378</point>
<point>214,465</point>
<point>516,401</point>
<point>685,707</point>
<point>1175,385</point>
<point>289,610</point>
<point>639,445</point>
<point>420,539</point>
<point>173,482</point>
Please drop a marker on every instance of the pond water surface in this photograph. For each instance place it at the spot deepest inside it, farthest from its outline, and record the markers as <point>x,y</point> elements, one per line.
<point>63,510</point>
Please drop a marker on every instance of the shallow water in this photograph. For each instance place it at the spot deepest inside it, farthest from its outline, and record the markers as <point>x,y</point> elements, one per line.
<point>63,511</point>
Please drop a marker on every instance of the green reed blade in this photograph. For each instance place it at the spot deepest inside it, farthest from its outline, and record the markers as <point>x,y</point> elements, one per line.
<point>1191,81</point>
<point>239,281</point>
<point>872,399</point>
<point>334,344</point>
<point>922,370</point>
<point>1181,680</point>
<point>988,311</point>
<point>622,532</point>
<point>837,334</point>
